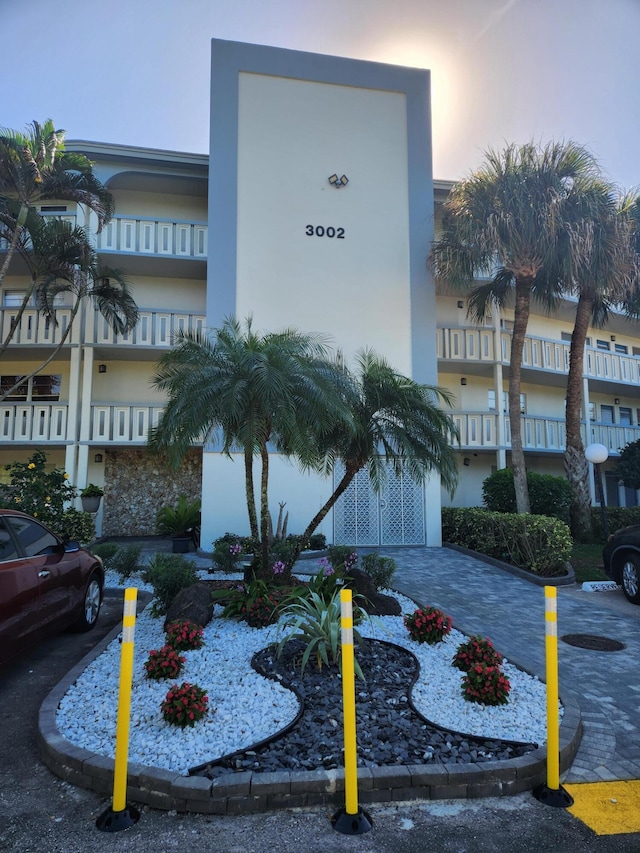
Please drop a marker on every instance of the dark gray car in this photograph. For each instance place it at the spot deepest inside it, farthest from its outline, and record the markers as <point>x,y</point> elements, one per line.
<point>621,557</point>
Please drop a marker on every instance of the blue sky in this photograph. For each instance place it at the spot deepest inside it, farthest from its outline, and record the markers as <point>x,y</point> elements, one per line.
<point>136,72</point>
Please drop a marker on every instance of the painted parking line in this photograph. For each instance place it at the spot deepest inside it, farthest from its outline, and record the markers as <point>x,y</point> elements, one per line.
<point>608,808</point>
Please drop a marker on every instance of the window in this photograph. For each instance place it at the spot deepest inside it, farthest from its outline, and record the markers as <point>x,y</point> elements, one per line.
<point>592,411</point>
<point>603,344</point>
<point>505,402</point>
<point>33,538</point>
<point>606,415</point>
<point>565,336</point>
<point>621,348</point>
<point>491,400</point>
<point>14,298</point>
<point>41,389</point>
<point>625,415</point>
<point>7,548</point>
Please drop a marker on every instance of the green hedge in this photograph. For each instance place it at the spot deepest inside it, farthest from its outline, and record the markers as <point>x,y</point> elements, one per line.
<point>548,495</point>
<point>534,542</point>
<point>617,516</point>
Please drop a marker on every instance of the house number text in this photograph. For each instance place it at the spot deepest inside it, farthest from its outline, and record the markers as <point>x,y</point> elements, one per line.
<point>322,231</point>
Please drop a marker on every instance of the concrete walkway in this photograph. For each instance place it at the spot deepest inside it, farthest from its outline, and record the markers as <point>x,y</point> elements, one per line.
<point>486,600</point>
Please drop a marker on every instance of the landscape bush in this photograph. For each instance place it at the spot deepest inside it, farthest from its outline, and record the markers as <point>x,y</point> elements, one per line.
<point>168,574</point>
<point>380,569</point>
<point>73,525</point>
<point>428,625</point>
<point>617,516</point>
<point>486,685</point>
<point>106,551</point>
<point>548,495</point>
<point>540,544</point>
<point>184,636</point>
<point>164,663</point>
<point>184,704</point>
<point>476,650</point>
<point>125,561</point>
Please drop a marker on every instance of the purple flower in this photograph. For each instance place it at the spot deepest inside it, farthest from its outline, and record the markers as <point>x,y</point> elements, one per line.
<point>279,567</point>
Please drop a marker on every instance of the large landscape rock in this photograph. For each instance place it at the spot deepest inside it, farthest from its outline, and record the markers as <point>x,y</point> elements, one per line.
<point>375,603</point>
<point>193,604</point>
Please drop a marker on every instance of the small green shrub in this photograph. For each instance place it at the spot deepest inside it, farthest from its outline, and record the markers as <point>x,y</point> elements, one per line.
<point>179,519</point>
<point>226,552</point>
<point>168,574</point>
<point>164,663</point>
<point>317,542</point>
<point>125,561</point>
<point>342,558</point>
<point>184,704</point>
<point>380,569</point>
<point>184,636</point>
<point>534,542</point>
<point>476,650</point>
<point>428,625</point>
<point>548,495</point>
<point>486,685</point>
<point>75,526</point>
<point>106,551</point>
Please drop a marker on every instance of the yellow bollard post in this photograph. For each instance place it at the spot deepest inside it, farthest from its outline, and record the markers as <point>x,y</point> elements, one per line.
<point>120,815</point>
<point>552,794</point>
<point>349,820</point>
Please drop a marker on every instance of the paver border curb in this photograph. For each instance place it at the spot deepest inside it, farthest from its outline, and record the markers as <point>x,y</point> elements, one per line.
<point>563,580</point>
<point>247,792</point>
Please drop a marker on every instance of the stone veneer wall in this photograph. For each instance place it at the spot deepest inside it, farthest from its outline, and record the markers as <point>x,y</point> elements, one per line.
<point>137,484</point>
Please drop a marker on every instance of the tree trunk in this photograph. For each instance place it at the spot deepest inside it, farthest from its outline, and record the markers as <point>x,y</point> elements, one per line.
<point>22,218</point>
<point>250,493</point>
<point>520,321</point>
<point>264,512</point>
<point>575,464</point>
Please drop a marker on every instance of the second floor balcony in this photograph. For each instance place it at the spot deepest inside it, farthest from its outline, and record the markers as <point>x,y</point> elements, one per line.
<point>166,237</point>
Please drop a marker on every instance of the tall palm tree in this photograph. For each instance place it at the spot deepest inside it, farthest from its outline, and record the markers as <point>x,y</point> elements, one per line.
<point>256,391</point>
<point>607,276</point>
<point>62,261</point>
<point>507,221</point>
<point>394,420</point>
<point>35,167</point>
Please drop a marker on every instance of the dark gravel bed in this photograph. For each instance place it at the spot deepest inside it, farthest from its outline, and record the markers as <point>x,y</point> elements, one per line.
<point>389,730</point>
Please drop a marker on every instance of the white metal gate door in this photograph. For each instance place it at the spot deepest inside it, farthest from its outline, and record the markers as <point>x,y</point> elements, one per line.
<point>395,517</point>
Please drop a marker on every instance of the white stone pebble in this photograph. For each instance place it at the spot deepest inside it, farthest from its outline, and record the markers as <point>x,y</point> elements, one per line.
<point>245,708</point>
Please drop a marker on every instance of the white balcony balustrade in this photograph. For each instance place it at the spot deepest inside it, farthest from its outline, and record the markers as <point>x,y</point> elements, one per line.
<point>33,422</point>
<point>180,239</point>
<point>34,328</point>
<point>121,423</point>
<point>153,329</point>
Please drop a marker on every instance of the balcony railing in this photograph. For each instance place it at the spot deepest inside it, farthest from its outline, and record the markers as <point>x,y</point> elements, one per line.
<point>34,328</point>
<point>477,345</point>
<point>123,423</point>
<point>170,238</point>
<point>153,329</point>
<point>33,422</point>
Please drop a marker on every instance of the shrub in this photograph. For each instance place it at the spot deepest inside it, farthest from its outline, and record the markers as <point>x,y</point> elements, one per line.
<point>226,552</point>
<point>548,495</point>
<point>75,526</point>
<point>486,685</point>
<point>168,574</point>
<point>178,520</point>
<point>184,704</point>
<point>428,625</point>
<point>41,493</point>
<point>380,569</point>
<point>534,542</point>
<point>476,650</point>
<point>106,551</point>
<point>317,623</point>
<point>317,542</point>
<point>617,516</point>
<point>342,558</point>
<point>183,636</point>
<point>262,610</point>
<point>164,663</point>
<point>125,561</point>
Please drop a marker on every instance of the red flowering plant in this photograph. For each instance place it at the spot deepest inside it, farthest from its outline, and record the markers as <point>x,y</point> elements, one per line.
<point>184,636</point>
<point>476,650</point>
<point>262,610</point>
<point>486,685</point>
<point>184,704</point>
<point>164,663</point>
<point>428,625</point>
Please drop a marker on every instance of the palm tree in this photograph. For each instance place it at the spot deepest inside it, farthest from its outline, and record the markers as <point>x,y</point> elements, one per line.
<point>35,167</point>
<point>255,391</point>
<point>606,277</point>
<point>507,221</point>
<point>394,420</point>
<point>62,260</point>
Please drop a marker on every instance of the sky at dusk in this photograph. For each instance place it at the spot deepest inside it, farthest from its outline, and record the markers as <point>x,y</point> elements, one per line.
<point>136,72</point>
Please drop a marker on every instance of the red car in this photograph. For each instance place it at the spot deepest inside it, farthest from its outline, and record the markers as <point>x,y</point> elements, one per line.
<point>45,584</point>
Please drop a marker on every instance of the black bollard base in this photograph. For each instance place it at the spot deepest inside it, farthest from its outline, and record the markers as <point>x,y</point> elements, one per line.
<point>351,824</point>
<point>559,798</point>
<point>110,821</point>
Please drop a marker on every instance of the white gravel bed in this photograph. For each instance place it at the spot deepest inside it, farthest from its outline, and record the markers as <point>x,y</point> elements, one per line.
<point>244,707</point>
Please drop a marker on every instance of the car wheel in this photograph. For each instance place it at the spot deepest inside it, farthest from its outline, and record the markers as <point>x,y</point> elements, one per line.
<point>91,604</point>
<point>631,578</point>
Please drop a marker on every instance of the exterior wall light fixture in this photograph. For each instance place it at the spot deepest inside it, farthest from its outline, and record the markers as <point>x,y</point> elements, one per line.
<point>466,462</point>
<point>337,182</point>
<point>463,380</point>
<point>97,457</point>
<point>102,368</point>
<point>616,400</point>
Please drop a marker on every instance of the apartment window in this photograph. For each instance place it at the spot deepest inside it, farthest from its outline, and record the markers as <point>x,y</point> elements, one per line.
<point>592,411</point>
<point>565,336</point>
<point>505,402</point>
<point>606,415</point>
<point>38,389</point>
<point>603,344</point>
<point>491,400</point>
<point>621,348</point>
<point>625,415</point>
<point>14,298</point>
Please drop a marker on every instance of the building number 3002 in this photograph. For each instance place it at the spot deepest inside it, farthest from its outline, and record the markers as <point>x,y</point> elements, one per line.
<point>321,231</point>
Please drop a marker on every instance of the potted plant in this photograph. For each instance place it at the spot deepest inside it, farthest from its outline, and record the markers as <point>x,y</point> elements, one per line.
<point>178,522</point>
<point>91,496</point>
